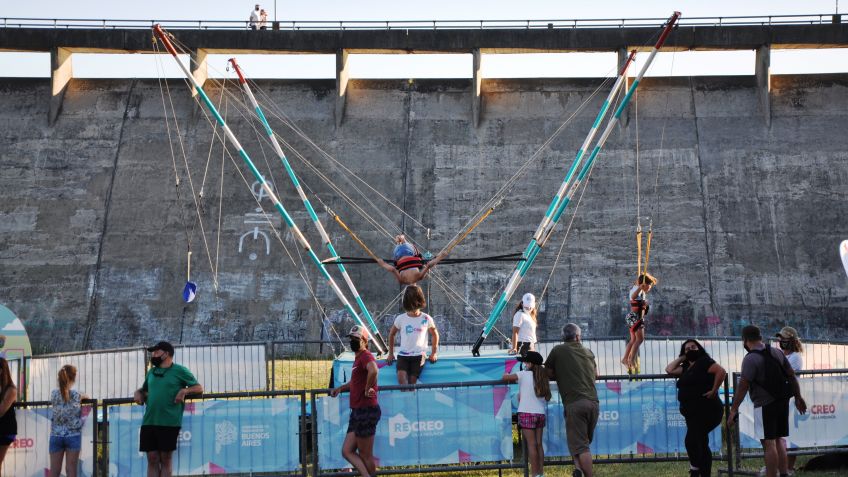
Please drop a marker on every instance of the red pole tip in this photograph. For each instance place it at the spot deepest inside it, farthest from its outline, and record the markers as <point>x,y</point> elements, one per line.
<point>238,70</point>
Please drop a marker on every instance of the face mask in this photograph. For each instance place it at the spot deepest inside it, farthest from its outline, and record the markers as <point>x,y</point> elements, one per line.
<point>156,361</point>
<point>693,354</point>
<point>355,345</point>
<point>787,345</point>
<point>527,309</point>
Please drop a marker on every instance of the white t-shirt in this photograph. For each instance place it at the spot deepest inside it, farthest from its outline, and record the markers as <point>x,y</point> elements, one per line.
<point>413,332</point>
<point>796,361</point>
<point>527,399</point>
<point>526,326</point>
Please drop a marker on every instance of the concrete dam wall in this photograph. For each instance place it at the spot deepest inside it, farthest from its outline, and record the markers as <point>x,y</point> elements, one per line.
<point>748,209</point>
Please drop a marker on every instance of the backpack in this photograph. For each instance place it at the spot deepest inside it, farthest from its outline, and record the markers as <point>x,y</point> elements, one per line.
<point>777,383</point>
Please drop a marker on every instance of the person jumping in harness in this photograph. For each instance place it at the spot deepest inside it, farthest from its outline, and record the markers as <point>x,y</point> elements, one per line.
<point>639,307</point>
<point>410,267</point>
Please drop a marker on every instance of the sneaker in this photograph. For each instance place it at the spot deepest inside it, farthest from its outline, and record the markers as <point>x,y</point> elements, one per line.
<point>576,472</point>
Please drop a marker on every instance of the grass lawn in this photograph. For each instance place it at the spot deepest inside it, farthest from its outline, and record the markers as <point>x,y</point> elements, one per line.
<point>300,374</point>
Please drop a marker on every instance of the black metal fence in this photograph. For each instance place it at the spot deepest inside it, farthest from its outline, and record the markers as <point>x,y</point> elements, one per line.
<point>819,402</point>
<point>731,456</point>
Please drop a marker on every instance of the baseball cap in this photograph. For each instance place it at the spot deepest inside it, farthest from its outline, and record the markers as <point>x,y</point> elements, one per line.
<point>787,332</point>
<point>164,346</point>
<point>528,300</point>
<point>359,332</point>
<point>531,357</point>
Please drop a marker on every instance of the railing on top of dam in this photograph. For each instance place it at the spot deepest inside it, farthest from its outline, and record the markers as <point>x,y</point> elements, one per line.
<point>296,25</point>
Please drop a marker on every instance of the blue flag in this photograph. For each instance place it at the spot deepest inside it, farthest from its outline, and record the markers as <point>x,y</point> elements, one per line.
<point>189,292</point>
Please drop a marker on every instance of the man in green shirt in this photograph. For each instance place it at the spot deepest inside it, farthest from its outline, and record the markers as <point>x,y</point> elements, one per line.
<point>573,367</point>
<point>164,390</point>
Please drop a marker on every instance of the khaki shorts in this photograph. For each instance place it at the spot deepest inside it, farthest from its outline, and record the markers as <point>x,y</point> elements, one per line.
<point>581,417</point>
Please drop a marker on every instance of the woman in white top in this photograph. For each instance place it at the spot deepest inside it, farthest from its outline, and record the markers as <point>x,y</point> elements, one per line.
<point>534,392</point>
<point>524,326</point>
<point>413,326</point>
<point>263,19</point>
<point>790,344</point>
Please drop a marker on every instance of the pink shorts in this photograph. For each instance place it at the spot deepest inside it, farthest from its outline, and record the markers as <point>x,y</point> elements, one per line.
<point>528,420</point>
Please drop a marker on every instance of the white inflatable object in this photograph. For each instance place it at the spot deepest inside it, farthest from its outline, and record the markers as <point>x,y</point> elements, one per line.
<point>843,252</point>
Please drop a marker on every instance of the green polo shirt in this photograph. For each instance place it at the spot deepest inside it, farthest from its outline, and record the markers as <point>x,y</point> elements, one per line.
<point>162,386</point>
<point>574,368</point>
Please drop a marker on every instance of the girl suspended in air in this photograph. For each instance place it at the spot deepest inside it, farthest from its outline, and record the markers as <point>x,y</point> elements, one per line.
<point>410,267</point>
<point>636,319</point>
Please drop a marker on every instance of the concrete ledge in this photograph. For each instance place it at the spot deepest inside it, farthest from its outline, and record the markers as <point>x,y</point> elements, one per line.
<point>448,41</point>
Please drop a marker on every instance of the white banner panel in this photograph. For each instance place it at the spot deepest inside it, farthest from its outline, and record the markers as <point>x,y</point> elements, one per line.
<point>824,424</point>
<point>225,368</point>
<point>29,455</point>
<point>100,375</point>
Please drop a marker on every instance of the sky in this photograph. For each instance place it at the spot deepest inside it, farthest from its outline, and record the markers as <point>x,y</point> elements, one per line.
<point>421,66</point>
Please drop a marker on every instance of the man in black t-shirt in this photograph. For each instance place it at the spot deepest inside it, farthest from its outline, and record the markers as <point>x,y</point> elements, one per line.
<point>771,413</point>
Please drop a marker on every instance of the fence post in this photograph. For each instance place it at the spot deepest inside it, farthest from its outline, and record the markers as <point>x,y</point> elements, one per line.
<point>267,378</point>
<point>105,460</point>
<point>523,454</point>
<point>273,366</point>
<point>316,470</point>
<point>727,426</point>
<point>303,431</point>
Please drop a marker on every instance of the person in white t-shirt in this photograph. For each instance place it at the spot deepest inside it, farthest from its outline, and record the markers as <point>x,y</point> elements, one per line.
<point>790,344</point>
<point>524,326</point>
<point>413,326</point>
<point>534,392</point>
<point>253,23</point>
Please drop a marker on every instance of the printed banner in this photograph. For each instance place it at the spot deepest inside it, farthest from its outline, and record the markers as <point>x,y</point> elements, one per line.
<point>641,417</point>
<point>29,455</point>
<point>425,427</point>
<point>452,367</point>
<point>217,437</point>
<point>824,424</point>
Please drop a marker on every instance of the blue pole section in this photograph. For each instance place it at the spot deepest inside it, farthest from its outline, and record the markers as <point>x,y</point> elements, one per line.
<point>157,30</point>
<point>567,188</point>
<point>307,204</point>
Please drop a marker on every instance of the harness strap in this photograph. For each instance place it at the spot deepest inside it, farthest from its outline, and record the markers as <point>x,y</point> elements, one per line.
<point>405,263</point>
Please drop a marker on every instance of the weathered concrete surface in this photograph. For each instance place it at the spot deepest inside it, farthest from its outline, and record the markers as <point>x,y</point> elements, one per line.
<point>731,37</point>
<point>747,217</point>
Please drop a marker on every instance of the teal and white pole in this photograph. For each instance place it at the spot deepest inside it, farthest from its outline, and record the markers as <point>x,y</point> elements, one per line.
<point>157,30</point>
<point>375,331</point>
<point>567,188</point>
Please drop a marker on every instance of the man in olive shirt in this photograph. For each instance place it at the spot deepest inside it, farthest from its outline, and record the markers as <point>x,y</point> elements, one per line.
<point>574,369</point>
<point>164,390</point>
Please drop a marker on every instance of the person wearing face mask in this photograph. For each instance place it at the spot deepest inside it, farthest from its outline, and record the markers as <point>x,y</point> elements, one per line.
<point>524,326</point>
<point>164,390</point>
<point>767,373</point>
<point>699,378</point>
<point>364,409</point>
<point>790,344</point>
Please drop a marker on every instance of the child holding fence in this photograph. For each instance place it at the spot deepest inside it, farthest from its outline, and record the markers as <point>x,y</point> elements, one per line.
<point>534,391</point>
<point>65,424</point>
